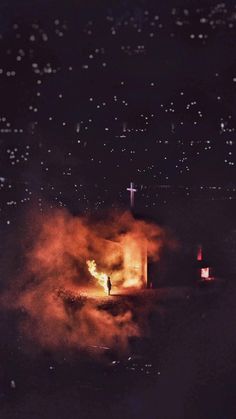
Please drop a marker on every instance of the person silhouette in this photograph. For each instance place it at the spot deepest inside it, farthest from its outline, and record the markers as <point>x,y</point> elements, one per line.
<point>108,285</point>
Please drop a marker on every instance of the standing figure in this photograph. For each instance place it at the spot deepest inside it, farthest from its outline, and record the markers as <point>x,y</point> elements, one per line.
<point>108,285</point>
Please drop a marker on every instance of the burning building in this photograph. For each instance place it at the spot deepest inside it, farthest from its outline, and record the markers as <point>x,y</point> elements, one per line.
<point>128,264</point>
<point>67,261</point>
<point>81,252</point>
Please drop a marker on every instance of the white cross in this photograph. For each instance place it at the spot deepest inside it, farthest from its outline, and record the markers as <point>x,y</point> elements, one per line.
<point>132,190</point>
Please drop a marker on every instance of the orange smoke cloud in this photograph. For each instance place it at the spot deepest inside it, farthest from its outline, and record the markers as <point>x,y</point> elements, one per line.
<point>56,276</point>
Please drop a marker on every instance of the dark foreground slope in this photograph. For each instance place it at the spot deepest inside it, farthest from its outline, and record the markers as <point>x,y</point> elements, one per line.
<point>183,367</point>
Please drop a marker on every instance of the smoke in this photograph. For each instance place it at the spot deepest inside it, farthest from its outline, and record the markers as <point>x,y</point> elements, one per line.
<point>59,301</point>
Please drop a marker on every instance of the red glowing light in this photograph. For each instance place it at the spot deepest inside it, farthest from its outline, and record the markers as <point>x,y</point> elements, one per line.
<point>199,253</point>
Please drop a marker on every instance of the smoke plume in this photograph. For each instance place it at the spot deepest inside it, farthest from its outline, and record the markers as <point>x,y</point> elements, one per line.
<point>61,304</point>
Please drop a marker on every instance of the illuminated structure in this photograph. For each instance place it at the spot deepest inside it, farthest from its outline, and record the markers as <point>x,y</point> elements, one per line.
<point>124,261</point>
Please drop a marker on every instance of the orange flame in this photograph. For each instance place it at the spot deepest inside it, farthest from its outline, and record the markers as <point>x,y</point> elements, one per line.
<point>100,276</point>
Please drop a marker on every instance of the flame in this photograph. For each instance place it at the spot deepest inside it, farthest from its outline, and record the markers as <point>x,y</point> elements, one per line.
<point>100,276</point>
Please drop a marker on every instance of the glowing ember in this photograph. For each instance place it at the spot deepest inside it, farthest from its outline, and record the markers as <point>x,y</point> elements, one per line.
<point>100,276</point>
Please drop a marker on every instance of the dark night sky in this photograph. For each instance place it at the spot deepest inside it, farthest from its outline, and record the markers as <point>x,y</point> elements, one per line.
<point>97,94</point>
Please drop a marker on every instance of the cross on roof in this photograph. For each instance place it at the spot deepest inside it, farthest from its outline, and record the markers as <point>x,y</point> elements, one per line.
<point>132,190</point>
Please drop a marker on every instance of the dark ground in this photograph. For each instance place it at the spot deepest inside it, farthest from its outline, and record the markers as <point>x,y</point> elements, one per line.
<point>186,368</point>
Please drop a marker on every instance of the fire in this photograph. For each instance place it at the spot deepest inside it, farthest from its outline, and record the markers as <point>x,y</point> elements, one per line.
<point>100,276</point>
<point>50,288</point>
